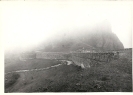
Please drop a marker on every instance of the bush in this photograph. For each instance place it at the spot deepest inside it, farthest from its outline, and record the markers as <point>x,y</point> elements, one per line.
<point>11,79</point>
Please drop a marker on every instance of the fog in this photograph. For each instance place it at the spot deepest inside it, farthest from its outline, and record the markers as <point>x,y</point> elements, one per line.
<point>27,25</point>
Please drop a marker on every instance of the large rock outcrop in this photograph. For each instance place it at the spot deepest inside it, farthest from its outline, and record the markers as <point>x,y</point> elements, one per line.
<point>99,37</point>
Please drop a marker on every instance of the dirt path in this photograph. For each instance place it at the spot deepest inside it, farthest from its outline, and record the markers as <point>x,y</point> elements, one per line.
<point>40,69</point>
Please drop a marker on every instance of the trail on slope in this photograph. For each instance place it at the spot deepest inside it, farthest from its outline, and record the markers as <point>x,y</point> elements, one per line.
<point>40,69</point>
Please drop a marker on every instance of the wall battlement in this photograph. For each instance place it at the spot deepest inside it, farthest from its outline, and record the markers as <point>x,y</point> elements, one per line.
<point>86,59</point>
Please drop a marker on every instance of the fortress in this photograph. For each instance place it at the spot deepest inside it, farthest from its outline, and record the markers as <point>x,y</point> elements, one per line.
<point>78,58</point>
<point>86,59</point>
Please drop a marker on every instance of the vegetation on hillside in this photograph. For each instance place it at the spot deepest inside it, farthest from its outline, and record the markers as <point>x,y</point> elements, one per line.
<point>115,76</point>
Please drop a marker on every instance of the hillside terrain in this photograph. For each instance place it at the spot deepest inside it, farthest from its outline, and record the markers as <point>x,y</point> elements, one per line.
<point>115,76</point>
<point>107,76</point>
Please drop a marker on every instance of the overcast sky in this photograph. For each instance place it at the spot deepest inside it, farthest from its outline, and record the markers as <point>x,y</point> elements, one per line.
<point>28,24</point>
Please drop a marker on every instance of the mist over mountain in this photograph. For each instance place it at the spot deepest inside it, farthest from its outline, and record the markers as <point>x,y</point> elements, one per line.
<point>98,37</point>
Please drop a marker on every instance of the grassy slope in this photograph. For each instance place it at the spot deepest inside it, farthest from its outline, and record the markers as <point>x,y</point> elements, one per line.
<point>114,76</point>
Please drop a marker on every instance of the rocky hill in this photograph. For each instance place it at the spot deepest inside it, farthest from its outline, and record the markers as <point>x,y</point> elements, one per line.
<point>99,37</point>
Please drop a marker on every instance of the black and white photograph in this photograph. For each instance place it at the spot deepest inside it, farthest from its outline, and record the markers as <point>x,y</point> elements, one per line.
<point>67,46</point>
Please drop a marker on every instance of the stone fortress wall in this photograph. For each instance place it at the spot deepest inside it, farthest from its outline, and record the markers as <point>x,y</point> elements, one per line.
<point>51,55</point>
<point>92,59</point>
<point>84,59</point>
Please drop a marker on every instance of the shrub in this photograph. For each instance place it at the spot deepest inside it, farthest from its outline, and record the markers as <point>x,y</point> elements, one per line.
<point>11,79</point>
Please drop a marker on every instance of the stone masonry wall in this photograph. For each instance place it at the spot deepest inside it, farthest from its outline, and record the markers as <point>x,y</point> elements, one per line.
<point>86,59</point>
<point>91,59</point>
<point>50,55</point>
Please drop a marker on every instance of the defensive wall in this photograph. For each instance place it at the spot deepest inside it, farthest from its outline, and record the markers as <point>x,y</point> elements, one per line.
<point>51,55</point>
<point>27,56</point>
<point>78,58</point>
<point>92,59</point>
<point>86,59</point>
<point>126,53</point>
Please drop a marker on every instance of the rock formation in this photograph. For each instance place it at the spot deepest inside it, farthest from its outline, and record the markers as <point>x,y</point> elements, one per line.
<point>99,37</point>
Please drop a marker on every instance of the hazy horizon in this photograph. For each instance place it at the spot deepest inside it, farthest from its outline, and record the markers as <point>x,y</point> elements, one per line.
<point>27,25</point>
